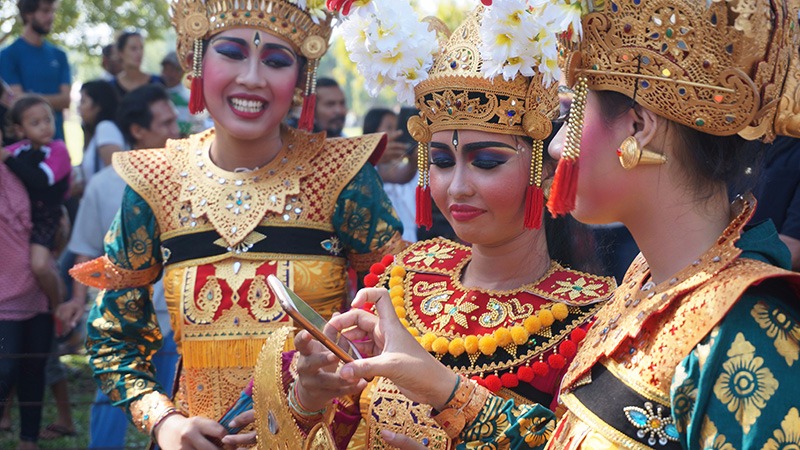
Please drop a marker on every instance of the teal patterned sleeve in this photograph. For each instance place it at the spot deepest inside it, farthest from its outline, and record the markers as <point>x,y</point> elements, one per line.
<point>502,424</point>
<point>123,333</point>
<point>364,217</point>
<point>739,388</point>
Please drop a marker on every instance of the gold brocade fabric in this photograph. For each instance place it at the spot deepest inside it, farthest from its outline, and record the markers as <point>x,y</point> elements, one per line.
<point>220,307</point>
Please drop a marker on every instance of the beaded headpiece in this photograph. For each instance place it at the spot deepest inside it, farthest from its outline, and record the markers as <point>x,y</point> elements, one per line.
<point>305,24</point>
<point>720,67</point>
<point>496,73</point>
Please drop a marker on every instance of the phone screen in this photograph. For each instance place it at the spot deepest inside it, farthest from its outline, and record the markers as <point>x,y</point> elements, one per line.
<point>309,319</point>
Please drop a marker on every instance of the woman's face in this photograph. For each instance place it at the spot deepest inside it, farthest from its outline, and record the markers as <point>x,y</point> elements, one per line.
<point>602,189</point>
<point>133,52</point>
<point>87,109</point>
<point>388,124</point>
<point>478,180</point>
<point>249,78</point>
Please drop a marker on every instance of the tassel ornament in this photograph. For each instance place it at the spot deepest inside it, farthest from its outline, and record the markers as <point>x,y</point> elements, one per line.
<point>565,183</point>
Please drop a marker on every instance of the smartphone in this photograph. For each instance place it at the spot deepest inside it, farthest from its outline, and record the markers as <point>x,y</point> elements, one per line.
<point>305,316</point>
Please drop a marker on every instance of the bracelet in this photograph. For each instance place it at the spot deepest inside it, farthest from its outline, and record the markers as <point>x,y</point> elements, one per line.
<point>467,401</point>
<point>168,412</point>
<point>298,407</point>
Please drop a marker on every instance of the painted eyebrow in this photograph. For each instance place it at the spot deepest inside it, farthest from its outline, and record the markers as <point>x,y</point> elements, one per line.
<point>229,39</point>
<point>440,146</point>
<point>473,146</point>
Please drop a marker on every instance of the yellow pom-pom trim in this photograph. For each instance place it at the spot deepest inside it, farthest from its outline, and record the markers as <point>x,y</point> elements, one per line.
<point>487,345</point>
<point>546,317</point>
<point>560,311</point>
<point>471,344</point>
<point>396,291</point>
<point>519,335</point>
<point>532,324</point>
<point>398,271</point>
<point>427,341</point>
<point>441,345</point>
<point>503,336</point>
<point>456,347</point>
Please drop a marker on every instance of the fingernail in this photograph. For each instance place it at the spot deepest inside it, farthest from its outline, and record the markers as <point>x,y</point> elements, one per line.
<point>346,372</point>
<point>389,435</point>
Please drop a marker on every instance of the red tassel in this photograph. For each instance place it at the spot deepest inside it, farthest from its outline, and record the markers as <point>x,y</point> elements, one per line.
<point>525,374</point>
<point>493,383</point>
<point>534,203</point>
<point>509,380</point>
<point>565,187</point>
<point>196,102</point>
<point>424,208</point>
<point>307,115</point>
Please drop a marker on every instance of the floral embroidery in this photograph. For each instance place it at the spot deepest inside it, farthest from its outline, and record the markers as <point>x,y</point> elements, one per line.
<point>745,385</point>
<point>491,423</point>
<point>578,288</point>
<point>780,327</point>
<point>139,248</point>
<point>710,439</point>
<point>431,254</point>
<point>660,428</point>
<point>684,395</point>
<point>536,431</point>
<point>788,437</point>
<point>456,312</point>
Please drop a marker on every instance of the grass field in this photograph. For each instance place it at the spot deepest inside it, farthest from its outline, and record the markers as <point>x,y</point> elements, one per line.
<point>81,392</point>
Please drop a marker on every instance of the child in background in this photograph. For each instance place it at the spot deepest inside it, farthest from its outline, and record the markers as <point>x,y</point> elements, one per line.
<point>43,166</point>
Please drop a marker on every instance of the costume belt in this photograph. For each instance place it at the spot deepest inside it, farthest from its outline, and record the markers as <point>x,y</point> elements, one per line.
<point>264,239</point>
<point>621,414</point>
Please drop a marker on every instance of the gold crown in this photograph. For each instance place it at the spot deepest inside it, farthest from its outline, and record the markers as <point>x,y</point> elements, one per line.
<point>721,67</point>
<point>457,95</point>
<point>200,19</point>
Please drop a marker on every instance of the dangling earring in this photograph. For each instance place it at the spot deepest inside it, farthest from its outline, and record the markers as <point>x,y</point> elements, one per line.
<point>565,182</point>
<point>631,154</point>
<point>534,194</point>
<point>423,195</point>
<point>196,101</point>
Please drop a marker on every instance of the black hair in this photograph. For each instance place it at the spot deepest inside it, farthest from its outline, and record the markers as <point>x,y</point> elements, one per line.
<point>327,82</point>
<point>23,104</point>
<point>107,49</point>
<point>122,40</point>
<point>709,161</point>
<point>135,108</point>
<point>105,97</point>
<point>30,6</point>
<point>373,119</point>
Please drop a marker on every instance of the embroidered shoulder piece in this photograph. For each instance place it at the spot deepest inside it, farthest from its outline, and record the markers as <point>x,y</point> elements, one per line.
<point>101,273</point>
<point>185,188</point>
<point>480,332</point>
<point>675,314</point>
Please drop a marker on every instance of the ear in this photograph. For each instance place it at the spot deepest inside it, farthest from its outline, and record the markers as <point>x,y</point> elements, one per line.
<point>189,60</point>
<point>138,132</point>
<point>646,123</point>
<point>19,132</point>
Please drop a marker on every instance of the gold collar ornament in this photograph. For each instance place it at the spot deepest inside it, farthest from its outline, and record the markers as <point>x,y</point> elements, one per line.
<point>304,24</point>
<point>720,67</point>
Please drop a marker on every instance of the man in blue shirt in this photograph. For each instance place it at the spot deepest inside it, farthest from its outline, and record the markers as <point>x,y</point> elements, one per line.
<point>32,64</point>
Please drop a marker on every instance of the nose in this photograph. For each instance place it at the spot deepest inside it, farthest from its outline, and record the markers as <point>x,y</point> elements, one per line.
<point>252,76</point>
<point>557,144</point>
<point>460,183</point>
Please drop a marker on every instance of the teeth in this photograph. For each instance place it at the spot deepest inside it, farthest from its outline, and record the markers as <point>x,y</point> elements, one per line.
<point>247,106</point>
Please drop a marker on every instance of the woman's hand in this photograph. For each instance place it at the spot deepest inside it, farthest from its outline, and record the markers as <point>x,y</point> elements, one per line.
<point>317,380</point>
<point>177,432</point>
<point>241,440</point>
<point>401,441</point>
<point>399,358</point>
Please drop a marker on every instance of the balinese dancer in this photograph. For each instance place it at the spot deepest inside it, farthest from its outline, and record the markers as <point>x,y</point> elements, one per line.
<point>216,213</point>
<point>499,314</point>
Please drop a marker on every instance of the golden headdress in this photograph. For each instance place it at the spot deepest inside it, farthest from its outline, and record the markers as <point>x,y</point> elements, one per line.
<point>721,67</point>
<point>305,24</point>
<point>496,73</point>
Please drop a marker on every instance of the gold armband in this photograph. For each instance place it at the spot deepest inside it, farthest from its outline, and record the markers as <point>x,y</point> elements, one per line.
<point>463,408</point>
<point>101,273</point>
<point>150,410</point>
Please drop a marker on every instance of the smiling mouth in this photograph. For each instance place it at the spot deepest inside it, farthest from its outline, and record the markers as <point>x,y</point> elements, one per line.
<point>246,106</point>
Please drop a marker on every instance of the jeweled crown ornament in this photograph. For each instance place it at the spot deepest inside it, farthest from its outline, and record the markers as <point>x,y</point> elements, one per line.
<point>721,67</point>
<point>305,24</point>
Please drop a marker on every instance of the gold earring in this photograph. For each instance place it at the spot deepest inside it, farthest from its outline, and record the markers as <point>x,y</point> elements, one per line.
<point>631,154</point>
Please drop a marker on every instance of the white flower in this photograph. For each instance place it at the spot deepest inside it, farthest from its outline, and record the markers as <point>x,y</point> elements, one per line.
<point>390,46</point>
<point>315,8</point>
